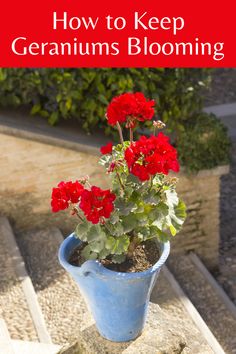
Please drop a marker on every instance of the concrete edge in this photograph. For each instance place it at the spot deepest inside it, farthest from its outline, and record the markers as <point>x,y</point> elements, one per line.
<point>89,149</point>
<point>194,314</point>
<point>214,284</point>
<point>25,347</point>
<point>216,171</point>
<point>49,140</point>
<point>222,110</point>
<point>4,334</point>
<point>26,283</point>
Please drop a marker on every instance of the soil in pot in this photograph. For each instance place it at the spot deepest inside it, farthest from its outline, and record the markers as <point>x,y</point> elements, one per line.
<point>144,257</point>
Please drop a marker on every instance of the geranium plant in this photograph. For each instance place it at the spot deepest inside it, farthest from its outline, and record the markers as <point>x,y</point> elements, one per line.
<point>142,203</point>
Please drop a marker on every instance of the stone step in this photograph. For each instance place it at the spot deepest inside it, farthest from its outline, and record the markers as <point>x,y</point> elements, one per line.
<point>24,347</point>
<point>9,346</point>
<point>4,334</point>
<point>172,299</point>
<point>5,345</point>
<point>64,309</point>
<point>164,333</point>
<point>62,305</point>
<point>194,279</point>
<point>18,302</point>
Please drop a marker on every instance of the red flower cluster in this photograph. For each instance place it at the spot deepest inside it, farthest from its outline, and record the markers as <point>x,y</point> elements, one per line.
<point>106,149</point>
<point>64,193</point>
<point>97,203</point>
<point>149,156</point>
<point>129,108</point>
<point>94,203</point>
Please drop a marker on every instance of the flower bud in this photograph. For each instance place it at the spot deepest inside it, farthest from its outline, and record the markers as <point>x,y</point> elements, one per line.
<point>159,124</point>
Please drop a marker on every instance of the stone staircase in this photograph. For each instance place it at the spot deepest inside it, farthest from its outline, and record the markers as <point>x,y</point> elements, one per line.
<point>40,305</point>
<point>13,346</point>
<point>215,307</point>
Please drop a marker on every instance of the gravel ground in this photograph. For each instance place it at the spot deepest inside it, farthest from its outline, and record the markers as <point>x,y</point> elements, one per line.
<point>227,275</point>
<point>222,88</point>
<point>13,306</point>
<point>62,305</point>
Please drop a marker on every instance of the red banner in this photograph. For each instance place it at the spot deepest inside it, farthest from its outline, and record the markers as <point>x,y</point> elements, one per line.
<point>130,33</point>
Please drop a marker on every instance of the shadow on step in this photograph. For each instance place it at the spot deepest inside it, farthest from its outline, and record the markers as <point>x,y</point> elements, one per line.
<point>162,293</point>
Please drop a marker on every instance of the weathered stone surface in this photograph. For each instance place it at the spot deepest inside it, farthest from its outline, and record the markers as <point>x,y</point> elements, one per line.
<point>62,305</point>
<point>163,334</point>
<point>29,170</point>
<point>13,305</point>
<point>201,229</point>
<point>213,310</point>
<point>64,309</point>
<point>165,296</point>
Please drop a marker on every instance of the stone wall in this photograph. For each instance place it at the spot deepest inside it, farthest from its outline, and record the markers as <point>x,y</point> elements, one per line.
<point>200,233</point>
<point>29,170</point>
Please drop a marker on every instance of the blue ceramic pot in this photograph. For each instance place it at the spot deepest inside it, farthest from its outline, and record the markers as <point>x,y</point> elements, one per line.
<point>118,301</point>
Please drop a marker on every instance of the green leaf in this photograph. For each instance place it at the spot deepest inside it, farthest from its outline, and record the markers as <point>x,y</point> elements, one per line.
<point>158,214</point>
<point>82,229</point>
<point>105,160</point>
<point>143,233</point>
<point>124,207</point>
<point>173,230</point>
<point>87,253</point>
<point>117,245</point>
<point>110,243</point>
<point>180,210</point>
<point>68,103</point>
<point>95,233</point>
<point>152,198</point>
<point>53,118</point>
<point>118,258</point>
<point>141,219</point>
<point>122,244</point>
<point>140,208</point>
<point>177,216</point>
<point>93,255</point>
<point>116,229</point>
<point>114,218</point>
<point>35,109</point>
<point>172,198</point>
<point>103,253</point>
<point>97,246</point>
<point>129,223</point>
<point>163,236</point>
<point>133,179</point>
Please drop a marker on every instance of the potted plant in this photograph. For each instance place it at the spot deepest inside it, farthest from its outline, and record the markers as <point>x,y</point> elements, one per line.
<point>122,238</point>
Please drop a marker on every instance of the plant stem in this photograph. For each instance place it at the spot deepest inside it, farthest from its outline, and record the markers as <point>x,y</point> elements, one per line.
<point>80,217</point>
<point>120,133</point>
<point>119,179</point>
<point>151,182</point>
<point>107,227</point>
<point>134,241</point>
<point>77,213</point>
<point>131,135</point>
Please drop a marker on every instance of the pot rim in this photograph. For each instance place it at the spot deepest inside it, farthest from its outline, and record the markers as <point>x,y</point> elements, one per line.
<point>96,267</point>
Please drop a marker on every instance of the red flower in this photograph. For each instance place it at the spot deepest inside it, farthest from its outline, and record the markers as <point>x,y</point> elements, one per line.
<point>106,149</point>
<point>129,108</point>
<point>64,193</point>
<point>97,203</point>
<point>149,156</point>
<point>59,200</point>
